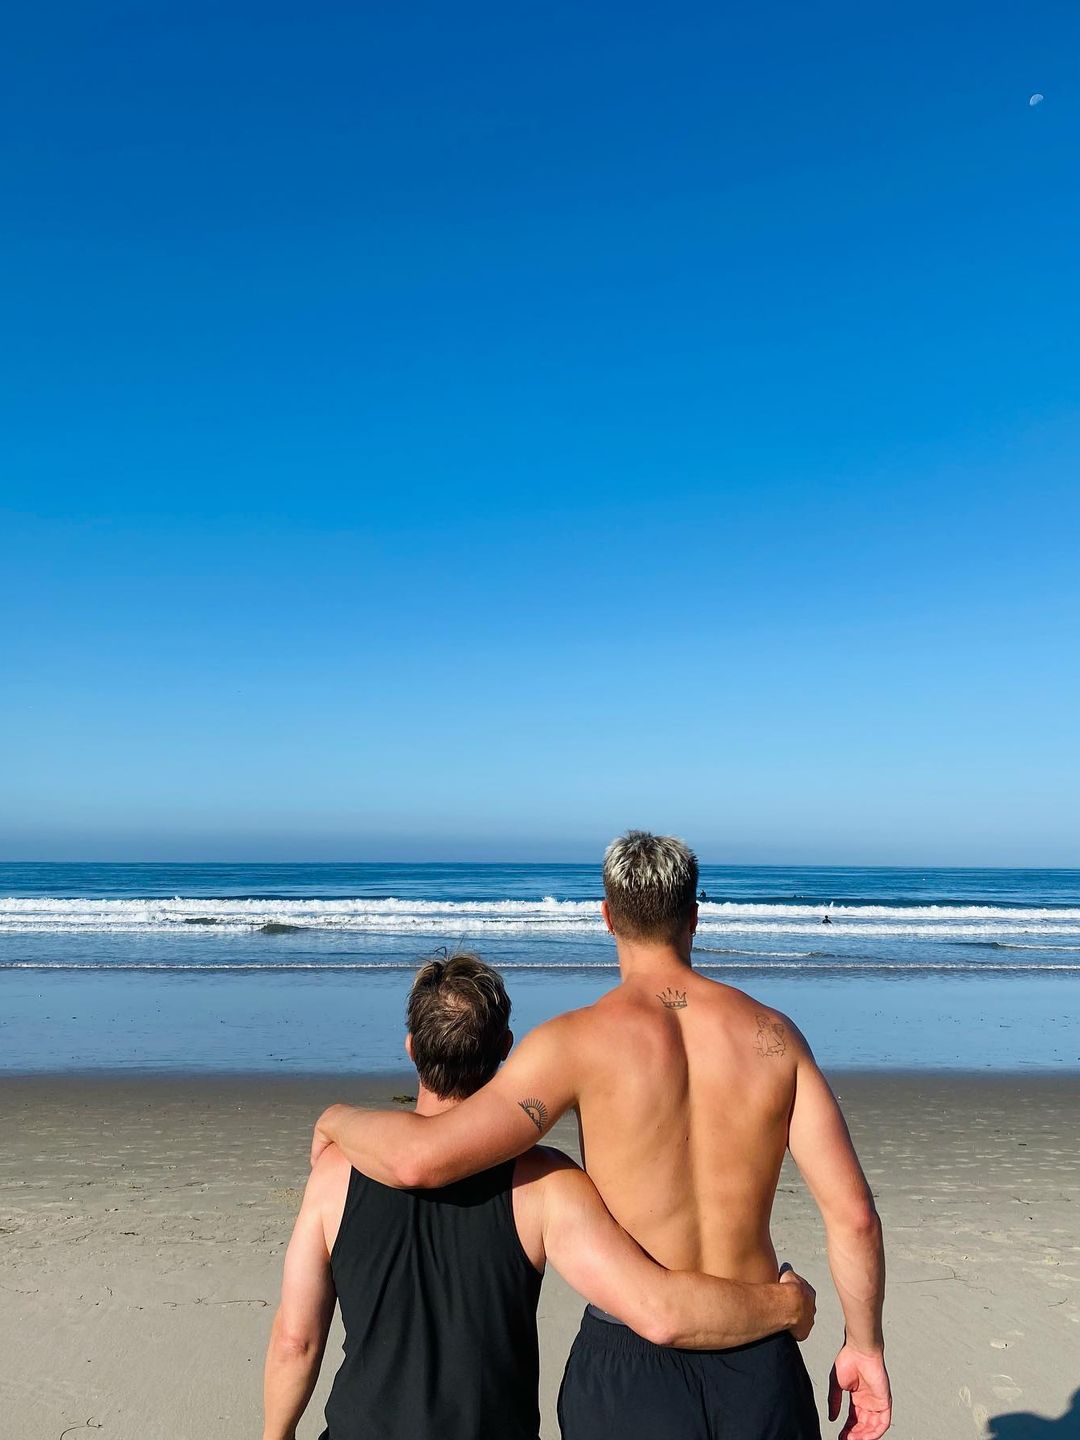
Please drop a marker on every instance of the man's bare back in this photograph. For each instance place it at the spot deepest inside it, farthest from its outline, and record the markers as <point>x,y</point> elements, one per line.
<point>684,1114</point>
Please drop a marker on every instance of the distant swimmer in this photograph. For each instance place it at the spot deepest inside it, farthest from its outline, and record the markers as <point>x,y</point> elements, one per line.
<point>825,920</point>
<point>702,895</point>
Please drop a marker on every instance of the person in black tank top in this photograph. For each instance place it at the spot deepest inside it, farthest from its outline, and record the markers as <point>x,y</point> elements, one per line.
<point>438,1300</point>
<point>438,1288</point>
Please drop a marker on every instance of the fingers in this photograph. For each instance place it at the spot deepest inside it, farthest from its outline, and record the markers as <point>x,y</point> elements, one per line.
<point>791,1277</point>
<point>808,1298</point>
<point>872,1426</point>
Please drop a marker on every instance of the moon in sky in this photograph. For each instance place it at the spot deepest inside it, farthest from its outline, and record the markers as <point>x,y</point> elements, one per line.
<point>1036,99</point>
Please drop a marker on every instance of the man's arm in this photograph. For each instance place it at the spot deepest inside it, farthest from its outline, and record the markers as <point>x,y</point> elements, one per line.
<point>499,1122</point>
<point>595,1255</point>
<point>821,1147</point>
<point>298,1337</point>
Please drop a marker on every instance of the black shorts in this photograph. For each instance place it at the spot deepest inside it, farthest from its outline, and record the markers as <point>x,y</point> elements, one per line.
<point>620,1386</point>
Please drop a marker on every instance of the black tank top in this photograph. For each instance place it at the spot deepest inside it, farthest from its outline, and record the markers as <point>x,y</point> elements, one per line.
<point>439,1304</point>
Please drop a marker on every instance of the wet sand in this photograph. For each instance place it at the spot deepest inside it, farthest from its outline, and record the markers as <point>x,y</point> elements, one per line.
<point>143,1222</point>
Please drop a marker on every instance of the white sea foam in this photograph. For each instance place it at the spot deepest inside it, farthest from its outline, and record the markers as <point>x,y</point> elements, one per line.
<point>522,917</point>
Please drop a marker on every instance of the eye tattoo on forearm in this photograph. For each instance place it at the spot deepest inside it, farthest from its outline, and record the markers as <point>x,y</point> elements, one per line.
<point>672,999</point>
<point>770,1037</point>
<point>536,1111</point>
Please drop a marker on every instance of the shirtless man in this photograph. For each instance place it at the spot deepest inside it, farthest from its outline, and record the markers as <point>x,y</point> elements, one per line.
<point>687,1092</point>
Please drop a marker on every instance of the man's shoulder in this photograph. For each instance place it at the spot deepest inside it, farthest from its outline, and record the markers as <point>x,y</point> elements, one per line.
<point>539,1175</point>
<point>548,1186</point>
<point>742,1003</point>
<point>329,1179</point>
<point>560,1038</point>
<point>542,1161</point>
<point>561,1029</point>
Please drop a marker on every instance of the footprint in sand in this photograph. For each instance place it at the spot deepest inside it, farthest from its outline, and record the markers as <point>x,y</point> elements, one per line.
<point>979,1413</point>
<point>1006,1388</point>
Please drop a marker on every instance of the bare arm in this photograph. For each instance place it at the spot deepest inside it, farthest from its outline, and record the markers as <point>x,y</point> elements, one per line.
<point>298,1337</point>
<point>599,1259</point>
<point>499,1122</point>
<point>821,1147</point>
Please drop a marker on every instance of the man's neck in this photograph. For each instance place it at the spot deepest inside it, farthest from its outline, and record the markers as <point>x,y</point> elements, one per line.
<point>638,957</point>
<point>428,1103</point>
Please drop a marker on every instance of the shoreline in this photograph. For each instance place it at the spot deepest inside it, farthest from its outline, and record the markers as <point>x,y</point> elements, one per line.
<point>145,1217</point>
<point>336,1025</point>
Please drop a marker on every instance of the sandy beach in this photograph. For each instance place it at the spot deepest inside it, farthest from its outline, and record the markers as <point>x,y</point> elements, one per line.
<point>144,1222</point>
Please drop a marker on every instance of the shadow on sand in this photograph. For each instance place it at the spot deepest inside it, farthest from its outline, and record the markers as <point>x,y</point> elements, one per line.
<point>1023,1425</point>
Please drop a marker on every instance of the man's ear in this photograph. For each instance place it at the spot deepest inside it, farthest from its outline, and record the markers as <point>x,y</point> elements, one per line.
<point>605,911</point>
<point>691,929</point>
<point>408,1047</point>
<point>508,1043</point>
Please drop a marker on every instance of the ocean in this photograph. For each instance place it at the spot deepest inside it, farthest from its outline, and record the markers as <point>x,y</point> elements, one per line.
<point>305,967</point>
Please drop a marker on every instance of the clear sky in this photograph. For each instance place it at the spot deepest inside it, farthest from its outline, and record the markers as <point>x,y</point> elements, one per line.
<point>464,431</point>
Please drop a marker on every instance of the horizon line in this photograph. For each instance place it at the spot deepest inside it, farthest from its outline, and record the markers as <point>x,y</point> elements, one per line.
<point>715,865</point>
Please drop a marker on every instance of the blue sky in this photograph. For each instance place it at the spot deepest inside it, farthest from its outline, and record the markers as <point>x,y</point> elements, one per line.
<point>437,432</point>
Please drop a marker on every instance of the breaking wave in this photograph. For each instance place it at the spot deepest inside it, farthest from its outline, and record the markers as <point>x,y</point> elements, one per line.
<point>978,923</point>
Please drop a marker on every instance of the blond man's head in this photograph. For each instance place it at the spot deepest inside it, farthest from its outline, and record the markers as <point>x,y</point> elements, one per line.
<point>650,883</point>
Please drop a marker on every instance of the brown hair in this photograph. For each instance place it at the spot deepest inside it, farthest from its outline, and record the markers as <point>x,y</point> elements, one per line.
<point>458,1016</point>
<point>650,882</point>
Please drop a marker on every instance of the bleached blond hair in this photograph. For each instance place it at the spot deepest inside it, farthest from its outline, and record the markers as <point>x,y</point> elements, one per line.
<point>650,882</point>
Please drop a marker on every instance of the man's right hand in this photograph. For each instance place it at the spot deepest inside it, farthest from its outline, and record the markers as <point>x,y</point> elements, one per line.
<point>866,1380</point>
<point>806,1301</point>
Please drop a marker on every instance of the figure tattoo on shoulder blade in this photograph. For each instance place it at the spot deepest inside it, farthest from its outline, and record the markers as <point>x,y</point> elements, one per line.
<point>536,1111</point>
<point>771,1037</point>
<point>672,999</point>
